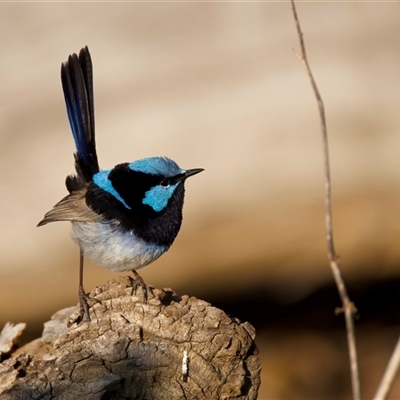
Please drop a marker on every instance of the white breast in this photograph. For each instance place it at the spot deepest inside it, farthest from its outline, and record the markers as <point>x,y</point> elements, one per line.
<point>117,251</point>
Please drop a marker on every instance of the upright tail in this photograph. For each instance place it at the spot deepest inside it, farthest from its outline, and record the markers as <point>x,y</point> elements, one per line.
<point>77,84</point>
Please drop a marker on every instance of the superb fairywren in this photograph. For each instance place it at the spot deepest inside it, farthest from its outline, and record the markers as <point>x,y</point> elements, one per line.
<point>123,218</point>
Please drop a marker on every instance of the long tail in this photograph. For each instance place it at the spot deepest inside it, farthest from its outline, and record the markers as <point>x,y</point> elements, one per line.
<point>77,84</point>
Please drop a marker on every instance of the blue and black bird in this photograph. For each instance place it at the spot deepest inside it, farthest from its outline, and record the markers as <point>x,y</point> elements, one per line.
<point>123,218</point>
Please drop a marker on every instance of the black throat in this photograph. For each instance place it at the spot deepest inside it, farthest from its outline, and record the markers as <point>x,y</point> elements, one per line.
<point>155,227</point>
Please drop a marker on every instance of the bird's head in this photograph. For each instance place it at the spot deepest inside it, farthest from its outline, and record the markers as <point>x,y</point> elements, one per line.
<point>164,176</point>
<point>148,182</point>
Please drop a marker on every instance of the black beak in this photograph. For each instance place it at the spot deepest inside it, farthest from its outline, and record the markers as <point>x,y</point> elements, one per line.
<point>191,172</point>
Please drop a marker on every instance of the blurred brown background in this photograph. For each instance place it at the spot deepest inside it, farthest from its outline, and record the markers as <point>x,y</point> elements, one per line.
<point>217,85</point>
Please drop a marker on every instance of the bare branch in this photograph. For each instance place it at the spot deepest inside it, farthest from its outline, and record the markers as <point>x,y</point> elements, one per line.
<point>347,306</point>
<point>391,371</point>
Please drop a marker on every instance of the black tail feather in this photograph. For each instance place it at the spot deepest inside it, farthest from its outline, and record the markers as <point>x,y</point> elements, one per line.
<point>77,83</point>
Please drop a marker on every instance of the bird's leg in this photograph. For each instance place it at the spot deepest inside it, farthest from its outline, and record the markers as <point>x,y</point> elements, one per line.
<point>83,303</point>
<point>139,282</point>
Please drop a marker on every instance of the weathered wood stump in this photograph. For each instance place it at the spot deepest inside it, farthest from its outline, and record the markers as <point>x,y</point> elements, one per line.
<point>168,348</point>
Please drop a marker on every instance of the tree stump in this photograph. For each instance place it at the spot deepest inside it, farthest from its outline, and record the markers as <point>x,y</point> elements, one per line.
<point>169,348</point>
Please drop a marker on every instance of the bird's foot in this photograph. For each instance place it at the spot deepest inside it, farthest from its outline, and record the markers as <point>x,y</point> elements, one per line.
<point>84,299</point>
<point>83,306</point>
<point>138,281</point>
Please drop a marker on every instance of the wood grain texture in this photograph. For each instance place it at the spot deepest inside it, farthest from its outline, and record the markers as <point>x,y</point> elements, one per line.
<point>136,350</point>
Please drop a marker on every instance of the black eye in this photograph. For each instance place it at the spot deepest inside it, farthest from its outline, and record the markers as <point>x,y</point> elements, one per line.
<point>165,182</point>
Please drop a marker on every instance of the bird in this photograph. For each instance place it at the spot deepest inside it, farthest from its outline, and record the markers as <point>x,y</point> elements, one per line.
<point>123,218</point>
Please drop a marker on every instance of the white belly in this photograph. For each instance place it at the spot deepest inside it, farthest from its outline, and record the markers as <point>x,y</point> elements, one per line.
<point>116,251</point>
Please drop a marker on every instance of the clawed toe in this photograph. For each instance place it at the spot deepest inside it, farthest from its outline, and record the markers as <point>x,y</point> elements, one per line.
<point>140,282</point>
<point>84,305</point>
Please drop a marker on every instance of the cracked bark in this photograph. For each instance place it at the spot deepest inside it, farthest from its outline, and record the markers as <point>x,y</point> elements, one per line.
<point>168,348</point>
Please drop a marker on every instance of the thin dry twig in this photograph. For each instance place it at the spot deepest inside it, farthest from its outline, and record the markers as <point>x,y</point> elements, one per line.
<point>347,306</point>
<point>391,371</point>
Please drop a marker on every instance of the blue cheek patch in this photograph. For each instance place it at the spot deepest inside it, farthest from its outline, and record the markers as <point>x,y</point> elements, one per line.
<point>102,181</point>
<point>157,197</point>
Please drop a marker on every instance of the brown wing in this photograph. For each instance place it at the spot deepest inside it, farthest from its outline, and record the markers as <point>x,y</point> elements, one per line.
<point>71,208</point>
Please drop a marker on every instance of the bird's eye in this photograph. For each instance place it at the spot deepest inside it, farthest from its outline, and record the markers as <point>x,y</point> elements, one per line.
<point>165,183</point>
